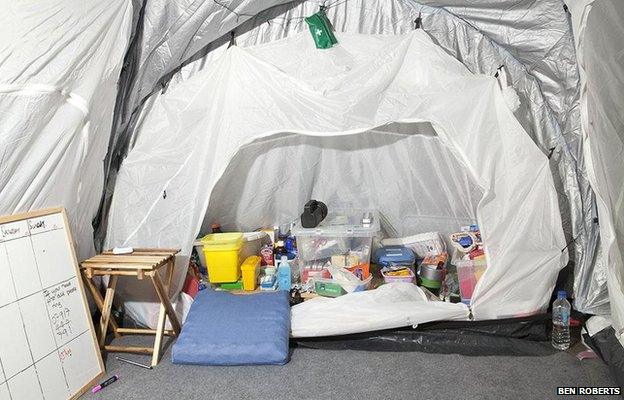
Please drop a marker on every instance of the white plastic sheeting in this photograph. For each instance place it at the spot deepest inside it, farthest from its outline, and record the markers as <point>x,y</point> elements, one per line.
<point>599,28</point>
<point>393,305</point>
<point>288,86</point>
<point>431,192</point>
<point>60,65</point>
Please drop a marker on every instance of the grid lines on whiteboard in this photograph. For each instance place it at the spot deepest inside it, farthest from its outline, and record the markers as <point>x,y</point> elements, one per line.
<point>44,325</point>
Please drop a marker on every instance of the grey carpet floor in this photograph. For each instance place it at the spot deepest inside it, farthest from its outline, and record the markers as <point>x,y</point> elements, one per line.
<point>348,374</point>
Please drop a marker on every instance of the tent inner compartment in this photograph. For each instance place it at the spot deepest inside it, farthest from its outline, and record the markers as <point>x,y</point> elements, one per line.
<point>403,170</point>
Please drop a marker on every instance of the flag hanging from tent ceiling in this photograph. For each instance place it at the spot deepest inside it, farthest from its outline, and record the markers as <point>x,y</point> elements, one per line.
<point>321,30</point>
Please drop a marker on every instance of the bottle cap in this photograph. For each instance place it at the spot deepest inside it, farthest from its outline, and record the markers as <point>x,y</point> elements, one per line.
<point>562,294</point>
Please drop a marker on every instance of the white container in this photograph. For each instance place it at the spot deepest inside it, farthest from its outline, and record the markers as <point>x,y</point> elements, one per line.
<point>342,232</point>
<point>252,243</point>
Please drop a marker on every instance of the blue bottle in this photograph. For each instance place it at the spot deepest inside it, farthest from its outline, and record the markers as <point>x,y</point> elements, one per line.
<point>284,277</point>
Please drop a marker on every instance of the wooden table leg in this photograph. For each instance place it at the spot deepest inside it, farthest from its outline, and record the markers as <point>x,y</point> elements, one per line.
<point>163,295</point>
<point>170,268</point>
<point>162,314</point>
<point>99,302</point>
<point>159,335</point>
<point>106,308</point>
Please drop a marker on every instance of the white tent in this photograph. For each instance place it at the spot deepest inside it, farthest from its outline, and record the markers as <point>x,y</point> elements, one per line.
<point>60,65</point>
<point>196,128</point>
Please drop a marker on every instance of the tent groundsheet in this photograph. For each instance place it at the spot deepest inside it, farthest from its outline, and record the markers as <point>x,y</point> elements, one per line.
<point>364,84</point>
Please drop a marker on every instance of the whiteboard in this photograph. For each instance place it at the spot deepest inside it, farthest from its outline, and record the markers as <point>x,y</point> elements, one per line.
<point>48,349</point>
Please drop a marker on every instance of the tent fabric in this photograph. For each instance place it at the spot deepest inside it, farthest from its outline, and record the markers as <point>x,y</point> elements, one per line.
<point>60,64</point>
<point>433,192</point>
<point>365,82</point>
<point>175,32</point>
<point>532,39</point>
<point>394,305</point>
<point>600,50</point>
<point>61,61</point>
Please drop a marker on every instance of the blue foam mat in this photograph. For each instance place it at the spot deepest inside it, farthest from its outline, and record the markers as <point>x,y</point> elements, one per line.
<point>226,329</point>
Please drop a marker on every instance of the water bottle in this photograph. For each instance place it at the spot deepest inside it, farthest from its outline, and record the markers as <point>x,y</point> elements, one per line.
<point>561,322</point>
<point>284,277</point>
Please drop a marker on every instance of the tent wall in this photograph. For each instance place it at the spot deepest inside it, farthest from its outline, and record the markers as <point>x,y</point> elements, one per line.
<point>532,39</point>
<point>60,65</point>
<point>600,41</point>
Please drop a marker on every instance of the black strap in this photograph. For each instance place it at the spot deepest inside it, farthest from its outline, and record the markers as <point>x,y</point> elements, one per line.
<point>552,150</point>
<point>418,22</point>
<point>498,70</point>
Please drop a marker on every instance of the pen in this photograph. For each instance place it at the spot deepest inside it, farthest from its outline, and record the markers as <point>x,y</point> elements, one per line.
<point>104,384</point>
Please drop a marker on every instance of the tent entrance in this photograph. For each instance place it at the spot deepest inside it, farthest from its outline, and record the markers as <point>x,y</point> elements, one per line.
<point>402,169</point>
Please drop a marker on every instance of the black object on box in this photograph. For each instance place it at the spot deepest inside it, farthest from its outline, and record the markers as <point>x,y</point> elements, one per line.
<point>313,213</point>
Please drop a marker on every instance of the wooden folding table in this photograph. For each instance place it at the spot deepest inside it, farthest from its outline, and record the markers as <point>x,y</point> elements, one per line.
<point>140,264</point>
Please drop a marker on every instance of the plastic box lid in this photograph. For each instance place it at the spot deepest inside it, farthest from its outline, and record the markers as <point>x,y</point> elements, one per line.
<point>341,223</point>
<point>223,241</point>
<point>395,254</point>
<point>247,237</point>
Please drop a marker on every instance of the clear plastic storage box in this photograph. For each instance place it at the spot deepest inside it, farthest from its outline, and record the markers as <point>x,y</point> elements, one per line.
<point>469,273</point>
<point>343,237</point>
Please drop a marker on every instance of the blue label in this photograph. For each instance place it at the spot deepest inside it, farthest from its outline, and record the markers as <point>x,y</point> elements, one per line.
<point>565,317</point>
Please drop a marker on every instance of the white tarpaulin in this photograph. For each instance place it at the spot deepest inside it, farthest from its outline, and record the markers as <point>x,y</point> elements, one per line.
<point>59,65</point>
<point>288,87</point>
<point>394,305</point>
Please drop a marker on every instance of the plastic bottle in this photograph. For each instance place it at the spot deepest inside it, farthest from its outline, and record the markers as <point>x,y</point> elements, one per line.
<point>267,255</point>
<point>284,277</point>
<point>279,251</point>
<point>203,283</point>
<point>560,338</point>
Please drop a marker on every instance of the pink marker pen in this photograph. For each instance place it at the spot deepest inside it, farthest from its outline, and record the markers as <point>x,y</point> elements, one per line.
<point>104,384</point>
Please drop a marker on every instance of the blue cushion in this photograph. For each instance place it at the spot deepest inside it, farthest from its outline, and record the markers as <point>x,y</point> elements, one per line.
<point>226,329</point>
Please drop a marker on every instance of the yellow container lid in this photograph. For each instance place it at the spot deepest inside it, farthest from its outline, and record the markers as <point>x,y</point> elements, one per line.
<point>223,241</point>
<point>250,263</point>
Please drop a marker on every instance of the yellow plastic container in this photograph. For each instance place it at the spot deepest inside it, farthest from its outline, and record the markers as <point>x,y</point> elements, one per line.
<point>222,252</point>
<point>251,270</point>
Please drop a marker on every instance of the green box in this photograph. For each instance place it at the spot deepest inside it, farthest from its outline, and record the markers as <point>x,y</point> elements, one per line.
<point>328,289</point>
<point>238,285</point>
